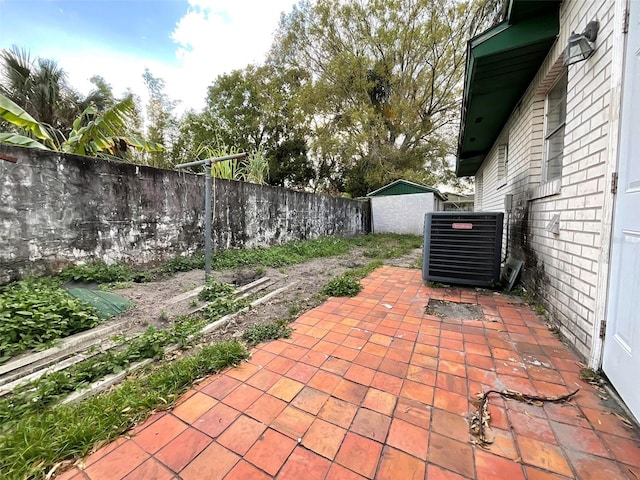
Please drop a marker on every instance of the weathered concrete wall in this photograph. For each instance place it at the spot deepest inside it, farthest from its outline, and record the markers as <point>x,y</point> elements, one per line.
<point>61,209</point>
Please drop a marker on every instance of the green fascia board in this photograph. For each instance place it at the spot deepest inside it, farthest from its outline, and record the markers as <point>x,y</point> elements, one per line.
<point>404,187</point>
<point>501,63</point>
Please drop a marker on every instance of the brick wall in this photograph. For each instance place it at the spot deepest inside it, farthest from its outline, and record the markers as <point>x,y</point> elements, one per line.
<point>561,268</point>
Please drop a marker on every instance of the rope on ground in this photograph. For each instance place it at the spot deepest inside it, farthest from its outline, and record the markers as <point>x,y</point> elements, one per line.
<point>480,419</point>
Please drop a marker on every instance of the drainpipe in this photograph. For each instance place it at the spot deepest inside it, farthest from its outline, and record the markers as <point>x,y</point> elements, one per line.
<point>207,202</point>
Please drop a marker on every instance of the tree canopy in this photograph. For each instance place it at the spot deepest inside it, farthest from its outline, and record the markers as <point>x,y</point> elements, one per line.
<point>384,84</point>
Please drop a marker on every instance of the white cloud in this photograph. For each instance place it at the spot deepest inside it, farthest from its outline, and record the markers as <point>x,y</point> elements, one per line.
<point>212,38</point>
<point>217,36</point>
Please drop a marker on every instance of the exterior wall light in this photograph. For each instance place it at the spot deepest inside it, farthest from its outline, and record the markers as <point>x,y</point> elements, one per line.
<point>580,45</point>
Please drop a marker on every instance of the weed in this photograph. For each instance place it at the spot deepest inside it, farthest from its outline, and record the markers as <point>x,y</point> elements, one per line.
<point>163,317</point>
<point>294,310</point>
<point>41,439</point>
<point>540,310</point>
<point>183,264</point>
<point>347,284</point>
<point>436,285</point>
<point>106,287</point>
<point>262,332</point>
<point>99,272</point>
<point>33,313</point>
<point>214,289</point>
<point>342,286</point>
<point>518,291</point>
<point>589,375</point>
<point>221,306</point>
<point>221,299</point>
<point>260,271</point>
<point>193,303</point>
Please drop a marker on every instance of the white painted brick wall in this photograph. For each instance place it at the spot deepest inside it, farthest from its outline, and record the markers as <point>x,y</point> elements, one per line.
<point>402,213</point>
<point>569,260</point>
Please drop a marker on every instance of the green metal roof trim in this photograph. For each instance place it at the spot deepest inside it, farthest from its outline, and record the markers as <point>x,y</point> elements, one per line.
<point>404,187</point>
<point>501,63</point>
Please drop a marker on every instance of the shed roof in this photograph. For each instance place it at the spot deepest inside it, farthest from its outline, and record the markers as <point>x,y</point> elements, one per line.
<point>404,187</point>
<point>501,63</point>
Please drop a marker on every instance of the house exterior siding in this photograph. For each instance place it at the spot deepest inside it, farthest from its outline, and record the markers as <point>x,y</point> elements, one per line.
<point>563,269</point>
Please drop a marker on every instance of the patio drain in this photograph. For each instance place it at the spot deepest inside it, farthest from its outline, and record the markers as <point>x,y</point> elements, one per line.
<point>459,311</point>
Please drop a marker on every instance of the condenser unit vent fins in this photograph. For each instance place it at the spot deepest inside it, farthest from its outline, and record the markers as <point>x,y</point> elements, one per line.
<point>463,248</point>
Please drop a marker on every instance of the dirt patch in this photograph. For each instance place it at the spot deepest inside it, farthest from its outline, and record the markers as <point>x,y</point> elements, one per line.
<point>154,306</point>
<point>459,311</point>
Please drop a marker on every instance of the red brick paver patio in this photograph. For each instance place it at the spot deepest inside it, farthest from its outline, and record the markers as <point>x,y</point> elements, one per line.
<point>373,387</point>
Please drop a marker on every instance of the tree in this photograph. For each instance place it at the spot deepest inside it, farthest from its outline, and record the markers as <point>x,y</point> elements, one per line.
<point>383,85</point>
<point>92,134</point>
<point>198,133</point>
<point>257,109</point>
<point>162,124</point>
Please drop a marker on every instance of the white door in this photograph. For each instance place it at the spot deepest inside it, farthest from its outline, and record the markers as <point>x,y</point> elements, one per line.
<point>621,361</point>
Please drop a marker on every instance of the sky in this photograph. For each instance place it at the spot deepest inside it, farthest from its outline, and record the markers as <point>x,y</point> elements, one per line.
<point>187,43</point>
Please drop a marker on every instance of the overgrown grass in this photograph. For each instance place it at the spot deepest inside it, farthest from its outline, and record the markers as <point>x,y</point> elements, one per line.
<point>386,246</point>
<point>41,439</point>
<point>35,312</point>
<point>263,332</point>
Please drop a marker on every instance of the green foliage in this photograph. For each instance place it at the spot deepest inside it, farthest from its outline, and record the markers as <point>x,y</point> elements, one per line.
<point>393,246</point>
<point>101,272</point>
<point>262,332</point>
<point>382,83</point>
<point>281,255</point>
<point>91,134</point>
<point>253,110</point>
<point>221,300</point>
<point>214,289</point>
<point>40,439</point>
<point>347,284</point>
<point>14,114</point>
<point>183,264</point>
<point>342,286</point>
<point>161,122</point>
<point>33,313</point>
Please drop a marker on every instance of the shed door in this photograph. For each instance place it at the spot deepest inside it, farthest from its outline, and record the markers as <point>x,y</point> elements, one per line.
<point>621,361</point>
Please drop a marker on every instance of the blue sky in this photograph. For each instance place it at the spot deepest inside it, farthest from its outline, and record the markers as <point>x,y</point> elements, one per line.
<point>185,42</point>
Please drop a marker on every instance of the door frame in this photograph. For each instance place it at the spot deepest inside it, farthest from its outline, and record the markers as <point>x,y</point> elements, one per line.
<point>621,9</point>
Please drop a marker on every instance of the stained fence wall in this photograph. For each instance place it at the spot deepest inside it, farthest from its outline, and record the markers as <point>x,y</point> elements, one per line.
<point>58,209</point>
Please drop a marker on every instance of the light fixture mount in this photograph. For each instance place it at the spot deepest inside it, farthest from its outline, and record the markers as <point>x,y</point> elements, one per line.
<point>580,45</point>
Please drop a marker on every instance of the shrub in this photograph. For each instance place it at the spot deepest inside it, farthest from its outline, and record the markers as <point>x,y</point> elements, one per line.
<point>35,312</point>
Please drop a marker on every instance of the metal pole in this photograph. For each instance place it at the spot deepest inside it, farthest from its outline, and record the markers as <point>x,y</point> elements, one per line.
<point>207,202</point>
<point>207,220</point>
<point>212,160</point>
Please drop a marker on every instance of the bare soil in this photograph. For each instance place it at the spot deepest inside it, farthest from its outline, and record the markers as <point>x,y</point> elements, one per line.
<point>154,304</point>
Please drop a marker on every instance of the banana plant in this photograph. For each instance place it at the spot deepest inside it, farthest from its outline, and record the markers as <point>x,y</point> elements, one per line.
<point>15,115</point>
<point>93,134</point>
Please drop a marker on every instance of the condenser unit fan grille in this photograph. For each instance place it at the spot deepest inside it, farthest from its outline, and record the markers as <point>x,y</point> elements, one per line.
<point>463,248</point>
